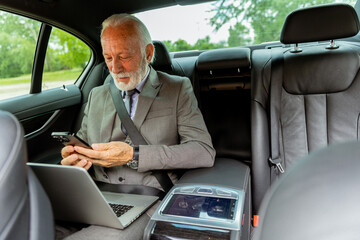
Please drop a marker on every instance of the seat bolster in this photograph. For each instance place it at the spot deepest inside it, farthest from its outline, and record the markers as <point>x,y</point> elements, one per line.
<point>260,76</point>
<point>316,199</point>
<point>40,209</point>
<point>14,209</point>
<point>260,154</point>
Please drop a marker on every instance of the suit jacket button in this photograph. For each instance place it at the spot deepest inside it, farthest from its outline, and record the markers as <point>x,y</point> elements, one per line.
<point>121,179</point>
<point>105,176</point>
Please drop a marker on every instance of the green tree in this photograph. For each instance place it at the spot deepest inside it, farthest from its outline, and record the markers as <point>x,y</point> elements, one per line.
<point>238,35</point>
<point>66,52</point>
<point>265,17</point>
<point>201,44</point>
<point>204,44</point>
<point>180,45</point>
<point>18,38</point>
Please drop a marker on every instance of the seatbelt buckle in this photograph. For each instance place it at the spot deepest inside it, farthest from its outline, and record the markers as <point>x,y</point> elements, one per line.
<point>277,163</point>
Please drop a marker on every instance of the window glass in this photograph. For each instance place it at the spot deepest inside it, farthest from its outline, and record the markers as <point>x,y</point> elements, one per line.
<point>223,23</point>
<point>18,37</point>
<point>66,58</point>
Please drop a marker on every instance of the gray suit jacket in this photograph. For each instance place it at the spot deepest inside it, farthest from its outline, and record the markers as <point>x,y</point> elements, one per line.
<point>169,119</point>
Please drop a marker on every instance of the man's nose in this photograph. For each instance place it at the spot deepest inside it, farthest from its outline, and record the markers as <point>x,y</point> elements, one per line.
<point>117,66</point>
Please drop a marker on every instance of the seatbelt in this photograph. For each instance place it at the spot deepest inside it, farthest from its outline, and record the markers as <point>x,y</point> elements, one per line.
<point>276,80</point>
<point>134,133</point>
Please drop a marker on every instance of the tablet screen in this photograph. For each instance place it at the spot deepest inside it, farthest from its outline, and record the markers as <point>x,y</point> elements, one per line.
<point>204,207</point>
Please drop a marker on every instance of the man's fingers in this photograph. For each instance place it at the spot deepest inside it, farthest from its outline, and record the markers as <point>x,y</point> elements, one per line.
<point>90,153</point>
<point>67,151</point>
<point>77,161</point>
<point>70,160</point>
<point>81,163</point>
<point>101,146</point>
<point>88,165</point>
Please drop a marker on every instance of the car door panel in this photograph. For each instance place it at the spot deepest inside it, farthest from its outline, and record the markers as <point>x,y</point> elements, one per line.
<point>42,113</point>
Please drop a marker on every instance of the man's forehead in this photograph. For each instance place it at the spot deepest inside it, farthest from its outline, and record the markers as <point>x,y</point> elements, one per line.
<point>121,30</point>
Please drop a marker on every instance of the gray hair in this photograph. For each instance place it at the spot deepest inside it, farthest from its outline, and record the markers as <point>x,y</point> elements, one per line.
<point>122,18</point>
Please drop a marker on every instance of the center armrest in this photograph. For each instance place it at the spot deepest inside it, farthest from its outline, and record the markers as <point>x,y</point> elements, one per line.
<point>225,172</point>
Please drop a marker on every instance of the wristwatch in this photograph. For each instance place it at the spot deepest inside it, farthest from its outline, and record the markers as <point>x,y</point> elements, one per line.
<point>134,162</point>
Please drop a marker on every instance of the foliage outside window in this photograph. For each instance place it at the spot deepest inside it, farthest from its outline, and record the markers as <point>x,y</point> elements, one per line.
<point>228,23</point>
<point>264,17</point>
<point>66,56</point>
<point>18,37</point>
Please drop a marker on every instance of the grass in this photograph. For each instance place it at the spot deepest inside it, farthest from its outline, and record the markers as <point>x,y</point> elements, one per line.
<point>72,74</point>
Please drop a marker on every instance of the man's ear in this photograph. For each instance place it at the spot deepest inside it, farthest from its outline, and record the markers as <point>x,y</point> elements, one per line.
<point>149,51</point>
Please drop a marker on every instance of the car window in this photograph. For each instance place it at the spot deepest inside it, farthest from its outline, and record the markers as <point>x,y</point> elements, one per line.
<point>66,56</point>
<point>18,37</point>
<point>222,23</point>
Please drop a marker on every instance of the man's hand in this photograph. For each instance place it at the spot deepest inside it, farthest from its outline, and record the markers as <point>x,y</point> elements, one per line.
<point>72,159</point>
<point>107,154</point>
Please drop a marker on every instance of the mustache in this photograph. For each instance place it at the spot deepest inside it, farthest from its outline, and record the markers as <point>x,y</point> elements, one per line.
<point>121,75</point>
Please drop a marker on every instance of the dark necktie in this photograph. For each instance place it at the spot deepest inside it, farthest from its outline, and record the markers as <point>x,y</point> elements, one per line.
<point>128,102</point>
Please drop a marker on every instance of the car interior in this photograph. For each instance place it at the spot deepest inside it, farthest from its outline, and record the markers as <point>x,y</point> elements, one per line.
<point>271,110</point>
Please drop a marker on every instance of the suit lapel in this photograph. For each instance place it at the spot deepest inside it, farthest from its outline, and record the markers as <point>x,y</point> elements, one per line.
<point>108,118</point>
<point>146,98</point>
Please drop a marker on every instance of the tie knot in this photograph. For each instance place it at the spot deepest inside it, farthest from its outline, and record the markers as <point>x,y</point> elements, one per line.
<point>130,92</point>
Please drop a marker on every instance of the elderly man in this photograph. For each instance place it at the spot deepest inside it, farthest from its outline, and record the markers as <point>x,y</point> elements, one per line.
<point>164,110</point>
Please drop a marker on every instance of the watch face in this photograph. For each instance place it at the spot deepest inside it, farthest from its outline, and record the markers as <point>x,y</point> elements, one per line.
<point>133,164</point>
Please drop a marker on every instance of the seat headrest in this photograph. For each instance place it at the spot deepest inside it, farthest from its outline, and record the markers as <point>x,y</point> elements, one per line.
<point>324,22</point>
<point>224,58</point>
<point>162,61</point>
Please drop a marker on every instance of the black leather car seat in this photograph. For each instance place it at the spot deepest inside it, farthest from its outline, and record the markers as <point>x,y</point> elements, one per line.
<point>222,79</point>
<point>162,61</point>
<point>316,199</point>
<point>304,99</point>
<point>25,210</point>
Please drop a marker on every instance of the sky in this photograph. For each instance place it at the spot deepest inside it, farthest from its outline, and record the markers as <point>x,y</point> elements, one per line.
<point>186,22</point>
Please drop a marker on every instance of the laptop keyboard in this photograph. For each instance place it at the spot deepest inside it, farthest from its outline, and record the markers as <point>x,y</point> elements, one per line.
<point>120,209</point>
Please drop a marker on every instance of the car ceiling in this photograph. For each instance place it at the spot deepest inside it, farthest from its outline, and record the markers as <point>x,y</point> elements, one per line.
<point>83,17</point>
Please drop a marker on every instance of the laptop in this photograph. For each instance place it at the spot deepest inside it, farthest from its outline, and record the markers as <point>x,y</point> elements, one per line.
<point>75,197</point>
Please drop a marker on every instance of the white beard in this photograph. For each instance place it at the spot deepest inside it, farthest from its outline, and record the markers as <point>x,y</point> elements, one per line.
<point>135,77</point>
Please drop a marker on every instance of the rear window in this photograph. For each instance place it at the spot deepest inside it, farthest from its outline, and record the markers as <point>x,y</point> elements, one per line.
<point>225,23</point>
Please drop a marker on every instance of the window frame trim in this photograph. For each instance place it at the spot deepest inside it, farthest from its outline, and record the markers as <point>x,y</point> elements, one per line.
<point>39,58</point>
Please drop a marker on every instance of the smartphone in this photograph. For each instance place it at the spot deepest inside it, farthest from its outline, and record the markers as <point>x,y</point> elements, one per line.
<point>68,138</point>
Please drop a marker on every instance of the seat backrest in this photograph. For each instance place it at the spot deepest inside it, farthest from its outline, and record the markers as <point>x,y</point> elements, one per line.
<point>25,209</point>
<point>316,199</point>
<point>222,87</point>
<point>316,102</point>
